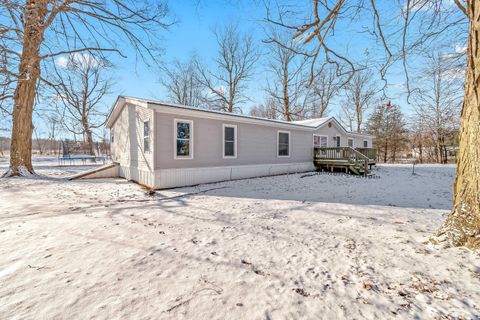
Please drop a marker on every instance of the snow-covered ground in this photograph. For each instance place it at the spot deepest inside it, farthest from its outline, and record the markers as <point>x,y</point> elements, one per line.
<point>286,247</point>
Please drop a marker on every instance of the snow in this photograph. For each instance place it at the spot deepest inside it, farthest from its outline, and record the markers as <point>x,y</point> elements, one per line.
<point>313,122</point>
<point>298,246</point>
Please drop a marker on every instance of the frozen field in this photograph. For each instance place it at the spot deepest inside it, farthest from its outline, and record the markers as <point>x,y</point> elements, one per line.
<point>287,247</point>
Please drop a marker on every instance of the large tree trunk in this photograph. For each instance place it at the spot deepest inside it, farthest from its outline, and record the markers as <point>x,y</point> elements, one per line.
<point>91,147</point>
<point>24,97</point>
<point>462,226</point>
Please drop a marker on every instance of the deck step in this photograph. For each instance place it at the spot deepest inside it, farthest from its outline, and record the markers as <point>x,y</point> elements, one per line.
<point>357,170</point>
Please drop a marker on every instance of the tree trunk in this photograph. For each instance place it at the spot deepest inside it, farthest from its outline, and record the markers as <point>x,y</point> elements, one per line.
<point>462,226</point>
<point>385,151</point>
<point>91,147</point>
<point>421,150</point>
<point>24,97</point>
<point>286,98</point>
<point>230,104</point>
<point>359,118</point>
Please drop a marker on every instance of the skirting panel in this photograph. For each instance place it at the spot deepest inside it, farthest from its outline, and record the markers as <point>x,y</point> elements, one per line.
<point>137,175</point>
<point>171,178</point>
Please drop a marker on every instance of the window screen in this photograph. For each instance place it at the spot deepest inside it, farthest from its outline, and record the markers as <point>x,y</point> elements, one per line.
<point>229,136</point>
<point>283,144</point>
<point>183,139</point>
<point>146,136</point>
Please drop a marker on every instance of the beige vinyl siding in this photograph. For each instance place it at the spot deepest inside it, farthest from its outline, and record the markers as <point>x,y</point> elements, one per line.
<point>358,141</point>
<point>127,148</point>
<point>333,131</point>
<point>336,130</point>
<point>256,144</point>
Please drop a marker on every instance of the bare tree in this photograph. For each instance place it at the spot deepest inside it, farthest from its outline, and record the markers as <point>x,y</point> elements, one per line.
<point>288,88</point>
<point>437,102</point>
<point>79,86</point>
<point>266,110</point>
<point>182,83</point>
<point>8,61</point>
<point>35,32</point>
<point>234,67</point>
<point>40,142</point>
<point>417,138</point>
<point>360,94</point>
<point>326,85</point>
<point>424,23</point>
<point>53,123</point>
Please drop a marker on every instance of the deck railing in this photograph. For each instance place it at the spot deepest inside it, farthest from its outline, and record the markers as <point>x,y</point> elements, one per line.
<point>345,154</point>
<point>339,153</point>
<point>371,153</point>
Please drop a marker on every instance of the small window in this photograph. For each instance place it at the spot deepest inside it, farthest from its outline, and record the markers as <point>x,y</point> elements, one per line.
<point>323,141</point>
<point>111,136</point>
<point>283,144</point>
<point>316,140</point>
<point>229,141</point>
<point>320,141</point>
<point>146,136</point>
<point>365,143</point>
<point>337,141</point>
<point>183,139</point>
<point>350,142</point>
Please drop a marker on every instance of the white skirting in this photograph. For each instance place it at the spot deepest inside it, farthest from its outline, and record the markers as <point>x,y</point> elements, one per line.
<point>144,177</point>
<point>171,178</point>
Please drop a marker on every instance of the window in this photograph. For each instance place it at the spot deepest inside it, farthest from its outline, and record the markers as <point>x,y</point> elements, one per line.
<point>146,136</point>
<point>111,136</point>
<point>283,148</point>
<point>320,141</point>
<point>183,141</point>
<point>350,142</point>
<point>365,143</point>
<point>229,141</point>
<point>337,141</point>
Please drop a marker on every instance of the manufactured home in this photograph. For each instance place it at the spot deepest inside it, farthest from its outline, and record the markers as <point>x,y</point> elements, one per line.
<point>164,145</point>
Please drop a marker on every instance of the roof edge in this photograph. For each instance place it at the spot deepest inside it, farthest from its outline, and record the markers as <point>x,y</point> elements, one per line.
<point>122,100</point>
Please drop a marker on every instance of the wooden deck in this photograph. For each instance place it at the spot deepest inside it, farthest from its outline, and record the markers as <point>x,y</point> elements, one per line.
<point>353,160</point>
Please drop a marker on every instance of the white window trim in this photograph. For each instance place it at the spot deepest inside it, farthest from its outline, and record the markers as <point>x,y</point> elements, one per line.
<point>289,143</point>
<point>336,141</point>
<point>353,142</point>
<point>320,135</point>
<point>364,143</point>
<point>234,126</point>
<point>149,136</point>
<point>175,121</point>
